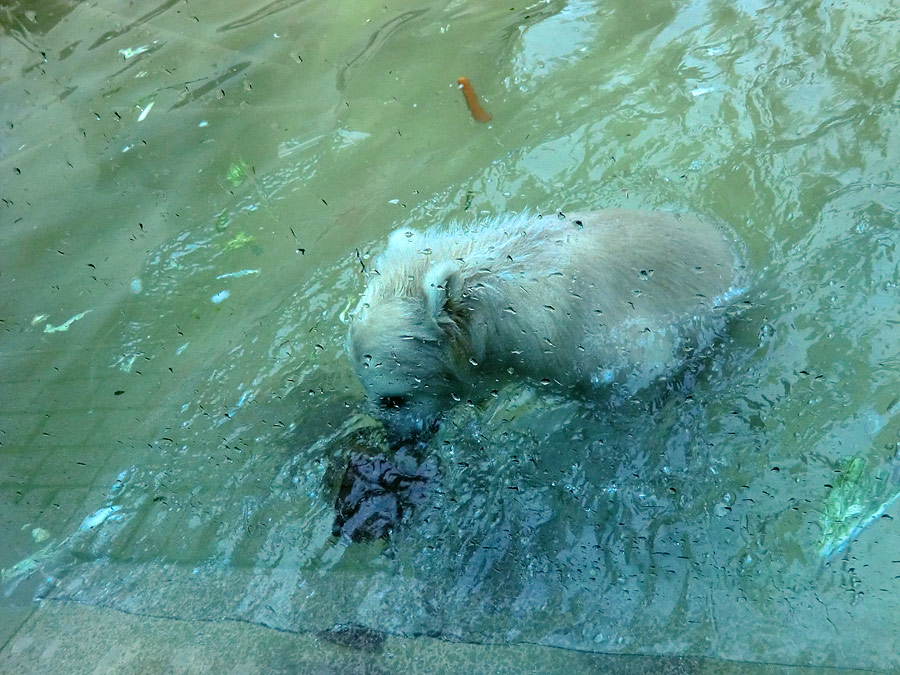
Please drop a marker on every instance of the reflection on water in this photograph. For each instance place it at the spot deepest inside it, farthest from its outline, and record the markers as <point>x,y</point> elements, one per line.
<point>175,444</point>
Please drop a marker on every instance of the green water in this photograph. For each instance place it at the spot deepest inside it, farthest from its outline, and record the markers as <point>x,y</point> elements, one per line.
<point>187,190</point>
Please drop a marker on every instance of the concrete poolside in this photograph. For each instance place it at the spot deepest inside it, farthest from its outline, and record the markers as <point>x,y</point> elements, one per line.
<point>70,638</point>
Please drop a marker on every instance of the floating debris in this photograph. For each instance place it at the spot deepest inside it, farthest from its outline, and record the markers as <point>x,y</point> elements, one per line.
<point>856,501</point>
<point>239,273</point>
<point>239,240</point>
<point>40,535</point>
<point>145,111</point>
<point>65,326</point>
<point>98,517</point>
<point>125,362</point>
<point>131,52</point>
<point>220,296</point>
<point>344,138</point>
<point>237,173</point>
<point>478,113</point>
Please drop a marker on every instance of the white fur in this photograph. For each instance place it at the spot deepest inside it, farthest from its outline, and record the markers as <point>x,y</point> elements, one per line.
<point>583,301</point>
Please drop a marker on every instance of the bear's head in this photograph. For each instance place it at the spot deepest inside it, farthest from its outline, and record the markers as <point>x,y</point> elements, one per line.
<point>406,345</point>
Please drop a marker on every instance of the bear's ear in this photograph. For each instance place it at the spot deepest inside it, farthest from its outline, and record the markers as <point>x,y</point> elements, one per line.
<point>443,286</point>
<point>403,238</point>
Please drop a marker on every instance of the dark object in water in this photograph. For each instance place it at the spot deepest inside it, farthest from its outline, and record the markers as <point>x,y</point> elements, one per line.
<point>357,637</point>
<point>377,490</point>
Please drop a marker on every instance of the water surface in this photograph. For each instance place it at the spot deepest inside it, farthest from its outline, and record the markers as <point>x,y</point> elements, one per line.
<point>189,192</point>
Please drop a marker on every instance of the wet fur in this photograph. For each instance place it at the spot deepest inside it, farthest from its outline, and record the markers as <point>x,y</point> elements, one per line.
<point>584,301</point>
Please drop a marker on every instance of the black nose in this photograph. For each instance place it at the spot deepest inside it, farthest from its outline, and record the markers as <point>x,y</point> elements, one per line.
<point>392,402</point>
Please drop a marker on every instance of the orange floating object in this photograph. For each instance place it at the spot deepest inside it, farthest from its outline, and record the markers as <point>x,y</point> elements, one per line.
<point>479,113</point>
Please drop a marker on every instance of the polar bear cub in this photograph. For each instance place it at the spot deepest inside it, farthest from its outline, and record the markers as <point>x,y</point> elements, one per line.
<point>586,301</point>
